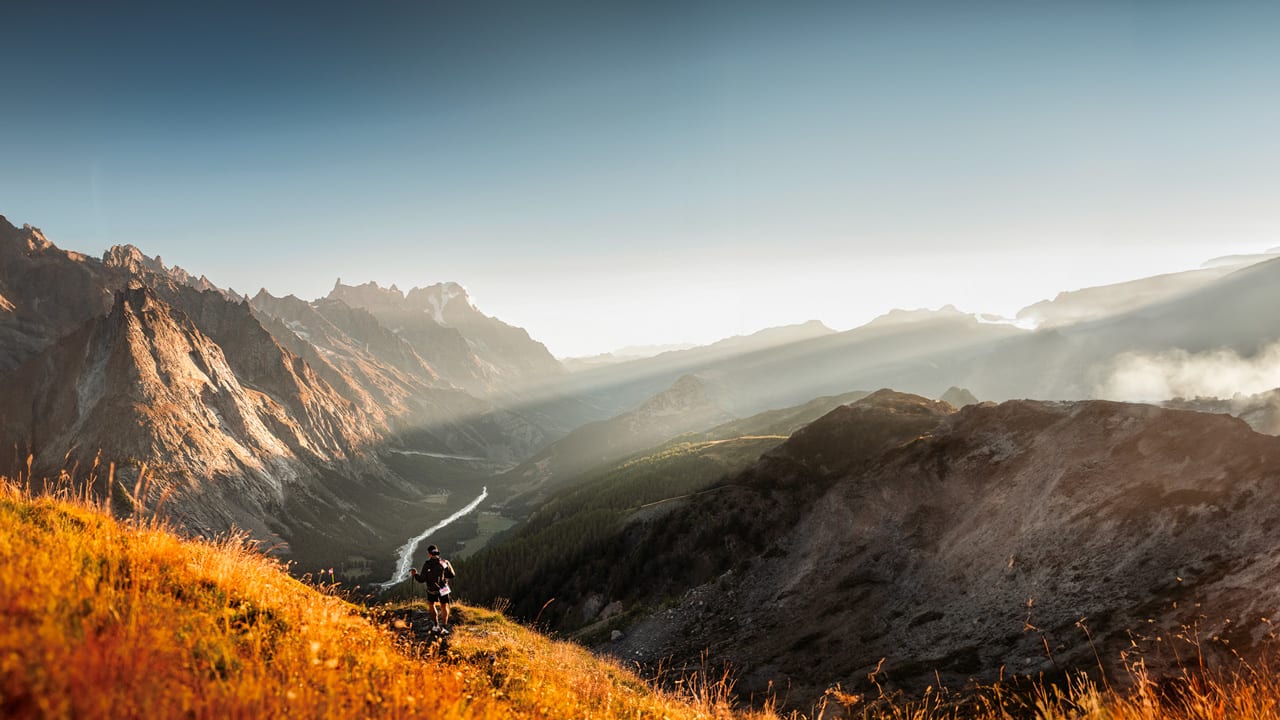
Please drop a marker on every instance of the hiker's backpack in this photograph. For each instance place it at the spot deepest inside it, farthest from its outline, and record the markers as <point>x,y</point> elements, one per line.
<point>437,572</point>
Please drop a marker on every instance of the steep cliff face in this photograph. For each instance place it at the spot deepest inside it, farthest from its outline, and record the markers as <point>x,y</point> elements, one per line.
<point>965,543</point>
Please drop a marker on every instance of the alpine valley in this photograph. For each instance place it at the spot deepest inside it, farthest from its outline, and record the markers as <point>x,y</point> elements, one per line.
<point>932,497</point>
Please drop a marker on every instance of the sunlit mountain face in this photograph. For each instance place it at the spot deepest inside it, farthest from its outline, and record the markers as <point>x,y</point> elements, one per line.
<point>861,349</point>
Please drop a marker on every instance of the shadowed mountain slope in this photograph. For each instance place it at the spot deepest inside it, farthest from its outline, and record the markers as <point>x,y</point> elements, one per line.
<point>47,292</point>
<point>962,543</point>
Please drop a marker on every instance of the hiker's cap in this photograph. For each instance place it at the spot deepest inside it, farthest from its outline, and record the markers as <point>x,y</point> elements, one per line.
<point>433,550</point>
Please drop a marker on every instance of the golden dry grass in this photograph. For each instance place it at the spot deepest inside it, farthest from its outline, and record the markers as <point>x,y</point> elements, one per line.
<point>124,619</point>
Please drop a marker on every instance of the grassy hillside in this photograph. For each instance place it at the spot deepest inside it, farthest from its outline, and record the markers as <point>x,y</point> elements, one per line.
<point>111,619</point>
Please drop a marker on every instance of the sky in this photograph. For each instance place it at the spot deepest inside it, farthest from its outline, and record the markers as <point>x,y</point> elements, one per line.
<point>611,174</point>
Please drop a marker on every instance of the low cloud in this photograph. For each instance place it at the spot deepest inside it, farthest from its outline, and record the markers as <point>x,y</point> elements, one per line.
<point>1141,377</point>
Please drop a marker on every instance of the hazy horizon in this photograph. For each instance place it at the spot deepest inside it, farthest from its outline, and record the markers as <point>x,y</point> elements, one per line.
<point>608,175</point>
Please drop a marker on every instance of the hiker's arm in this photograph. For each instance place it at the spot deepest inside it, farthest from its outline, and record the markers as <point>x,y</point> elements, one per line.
<point>417,577</point>
<point>449,574</point>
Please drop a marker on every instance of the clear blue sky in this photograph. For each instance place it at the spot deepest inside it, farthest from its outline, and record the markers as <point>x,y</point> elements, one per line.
<point>607,174</point>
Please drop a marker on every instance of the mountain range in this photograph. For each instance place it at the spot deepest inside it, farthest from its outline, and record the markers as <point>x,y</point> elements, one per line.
<point>266,415</point>
<point>747,496</point>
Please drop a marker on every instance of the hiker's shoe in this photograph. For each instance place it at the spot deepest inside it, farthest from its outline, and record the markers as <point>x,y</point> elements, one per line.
<point>445,631</point>
<point>436,629</point>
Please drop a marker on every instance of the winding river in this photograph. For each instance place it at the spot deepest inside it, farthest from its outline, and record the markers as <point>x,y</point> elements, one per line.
<point>404,555</point>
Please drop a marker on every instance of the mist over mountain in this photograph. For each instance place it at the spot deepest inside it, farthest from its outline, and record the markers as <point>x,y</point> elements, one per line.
<point>1229,314</point>
<point>1093,303</point>
<point>925,351</point>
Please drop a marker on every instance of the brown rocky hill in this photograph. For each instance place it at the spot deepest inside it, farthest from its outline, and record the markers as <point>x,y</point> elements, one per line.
<point>47,292</point>
<point>964,544</point>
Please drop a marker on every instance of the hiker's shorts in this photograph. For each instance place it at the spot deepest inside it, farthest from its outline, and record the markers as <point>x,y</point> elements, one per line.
<point>438,598</point>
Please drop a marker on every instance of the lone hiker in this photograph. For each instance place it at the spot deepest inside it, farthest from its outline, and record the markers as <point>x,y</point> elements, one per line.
<point>436,573</point>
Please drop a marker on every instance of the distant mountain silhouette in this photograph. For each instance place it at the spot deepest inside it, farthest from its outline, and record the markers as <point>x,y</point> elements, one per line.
<point>1094,303</point>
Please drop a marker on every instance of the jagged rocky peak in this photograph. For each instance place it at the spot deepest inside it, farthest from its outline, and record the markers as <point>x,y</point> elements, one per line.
<point>134,297</point>
<point>432,300</point>
<point>370,295</point>
<point>28,237</point>
<point>201,283</point>
<point>132,259</point>
<point>139,301</point>
<point>264,298</point>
